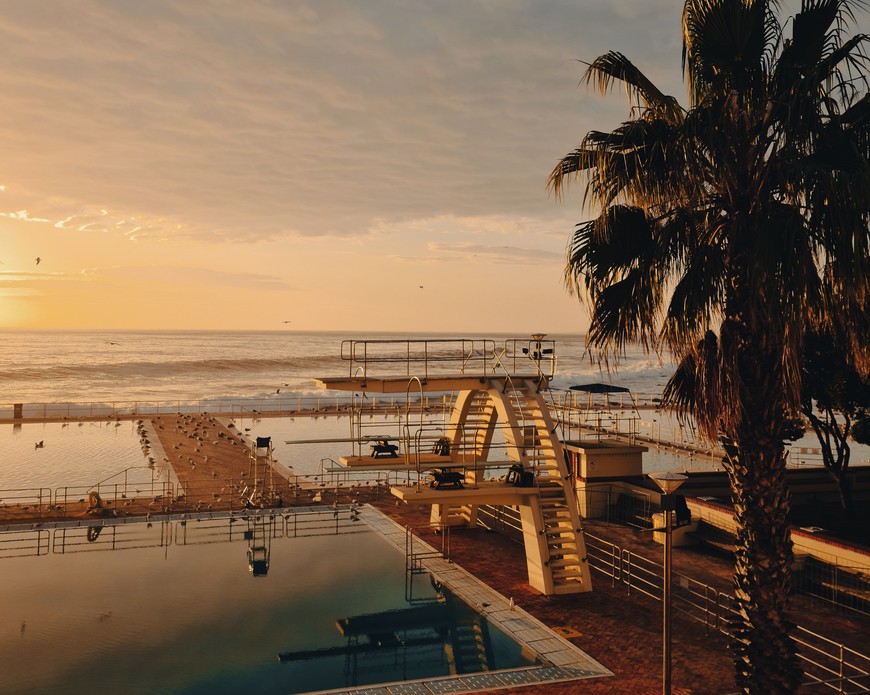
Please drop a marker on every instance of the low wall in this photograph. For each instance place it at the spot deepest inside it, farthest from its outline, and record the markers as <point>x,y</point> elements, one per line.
<point>806,541</point>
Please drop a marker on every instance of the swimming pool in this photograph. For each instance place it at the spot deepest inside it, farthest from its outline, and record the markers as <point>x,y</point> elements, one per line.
<point>75,454</point>
<point>184,607</point>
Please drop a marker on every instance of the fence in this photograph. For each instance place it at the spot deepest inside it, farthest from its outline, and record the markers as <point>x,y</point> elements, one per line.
<point>127,494</point>
<point>237,408</point>
<point>186,529</point>
<point>827,664</point>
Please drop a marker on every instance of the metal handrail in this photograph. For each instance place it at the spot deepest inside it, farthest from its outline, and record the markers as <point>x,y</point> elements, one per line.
<point>469,355</point>
<point>630,569</point>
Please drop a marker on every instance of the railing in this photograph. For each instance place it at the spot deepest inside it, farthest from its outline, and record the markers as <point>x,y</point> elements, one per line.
<point>414,558</point>
<point>843,588</point>
<point>25,543</point>
<point>130,497</point>
<point>825,662</point>
<point>96,535</point>
<point>829,664</point>
<point>36,499</point>
<point>235,408</point>
<point>425,358</point>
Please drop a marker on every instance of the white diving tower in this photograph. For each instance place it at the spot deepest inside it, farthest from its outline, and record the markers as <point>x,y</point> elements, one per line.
<point>497,393</point>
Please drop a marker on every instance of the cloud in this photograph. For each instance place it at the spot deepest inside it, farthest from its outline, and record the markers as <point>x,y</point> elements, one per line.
<point>22,215</point>
<point>477,225</point>
<point>493,254</point>
<point>247,121</point>
<point>206,277</point>
<point>163,274</point>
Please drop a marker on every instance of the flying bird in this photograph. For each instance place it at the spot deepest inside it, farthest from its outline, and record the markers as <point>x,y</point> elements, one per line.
<point>38,260</point>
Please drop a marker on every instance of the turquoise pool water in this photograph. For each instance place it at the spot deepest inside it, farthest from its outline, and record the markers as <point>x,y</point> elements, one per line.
<point>175,608</point>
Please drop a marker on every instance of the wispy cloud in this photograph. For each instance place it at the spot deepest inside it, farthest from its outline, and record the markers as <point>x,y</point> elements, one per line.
<point>467,251</point>
<point>22,215</point>
<point>257,120</point>
<point>185,275</point>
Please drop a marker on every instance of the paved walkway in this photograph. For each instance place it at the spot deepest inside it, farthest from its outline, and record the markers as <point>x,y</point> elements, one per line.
<point>621,631</point>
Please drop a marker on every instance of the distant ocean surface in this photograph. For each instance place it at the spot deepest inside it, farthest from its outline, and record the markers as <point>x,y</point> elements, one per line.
<point>189,366</point>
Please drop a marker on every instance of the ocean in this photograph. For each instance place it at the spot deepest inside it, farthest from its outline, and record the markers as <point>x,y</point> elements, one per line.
<point>75,373</point>
<point>192,366</point>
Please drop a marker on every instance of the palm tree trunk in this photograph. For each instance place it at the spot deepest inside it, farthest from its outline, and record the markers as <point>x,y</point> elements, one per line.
<point>765,654</point>
<point>764,651</point>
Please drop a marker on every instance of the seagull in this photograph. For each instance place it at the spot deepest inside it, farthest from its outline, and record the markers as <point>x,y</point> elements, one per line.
<point>39,445</point>
<point>38,260</point>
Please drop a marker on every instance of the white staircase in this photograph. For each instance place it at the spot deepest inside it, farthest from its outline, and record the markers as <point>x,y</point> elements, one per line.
<point>565,568</point>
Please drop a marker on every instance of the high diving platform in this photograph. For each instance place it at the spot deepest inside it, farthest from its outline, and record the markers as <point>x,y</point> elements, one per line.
<point>499,445</point>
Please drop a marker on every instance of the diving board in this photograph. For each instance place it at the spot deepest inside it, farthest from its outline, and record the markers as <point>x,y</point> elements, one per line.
<point>508,403</point>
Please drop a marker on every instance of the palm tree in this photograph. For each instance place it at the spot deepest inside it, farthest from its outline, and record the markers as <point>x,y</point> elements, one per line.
<point>724,230</point>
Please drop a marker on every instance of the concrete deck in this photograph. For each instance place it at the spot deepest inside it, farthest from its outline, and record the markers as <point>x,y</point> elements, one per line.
<point>485,492</point>
<point>432,383</point>
<point>427,462</point>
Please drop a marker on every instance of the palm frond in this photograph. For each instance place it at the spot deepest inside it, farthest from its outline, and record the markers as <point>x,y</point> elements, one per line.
<point>725,45</point>
<point>679,392</point>
<point>613,66</point>
<point>577,161</point>
<point>605,249</point>
<point>810,33</point>
<point>696,299</point>
<point>625,312</point>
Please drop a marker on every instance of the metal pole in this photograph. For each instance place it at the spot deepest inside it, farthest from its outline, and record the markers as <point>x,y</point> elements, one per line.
<point>667,505</point>
<point>668,483</point>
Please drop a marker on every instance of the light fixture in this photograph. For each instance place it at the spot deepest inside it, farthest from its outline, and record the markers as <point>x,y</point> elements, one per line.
<point>668,482</point>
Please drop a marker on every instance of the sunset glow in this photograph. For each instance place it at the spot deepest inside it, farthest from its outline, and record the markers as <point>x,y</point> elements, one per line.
<point>235,165</point>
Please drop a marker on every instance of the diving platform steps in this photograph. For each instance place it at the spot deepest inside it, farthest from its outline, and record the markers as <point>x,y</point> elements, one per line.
<point>541,487</point>
<point>552,533</point>
<point>560,542</point>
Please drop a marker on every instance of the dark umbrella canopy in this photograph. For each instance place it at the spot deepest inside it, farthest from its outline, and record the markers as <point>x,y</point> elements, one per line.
<point>599,388</point>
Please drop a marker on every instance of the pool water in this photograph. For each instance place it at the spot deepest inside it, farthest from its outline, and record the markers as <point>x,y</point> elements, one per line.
<point>72,454</point>
<point>174,608</point>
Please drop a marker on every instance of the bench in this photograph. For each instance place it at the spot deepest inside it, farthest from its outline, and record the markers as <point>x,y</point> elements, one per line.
<point>442,476</point>
<point>442,446</point>
<point>519,477</point>
<point>383,448</point>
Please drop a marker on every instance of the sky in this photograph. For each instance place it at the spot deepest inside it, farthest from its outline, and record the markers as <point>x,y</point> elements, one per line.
<point>376,165</point>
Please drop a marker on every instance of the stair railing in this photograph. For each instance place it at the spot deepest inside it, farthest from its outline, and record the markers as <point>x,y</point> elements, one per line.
<point>407,428</point>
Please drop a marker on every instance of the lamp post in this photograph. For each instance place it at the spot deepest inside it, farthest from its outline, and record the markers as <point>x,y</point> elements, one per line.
<point>668,483</point>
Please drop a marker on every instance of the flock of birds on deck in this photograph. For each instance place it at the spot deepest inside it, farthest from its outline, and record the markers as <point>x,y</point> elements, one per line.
<point>251,491</point>
<point>199,430</point>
